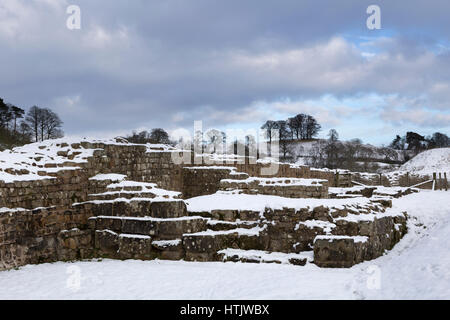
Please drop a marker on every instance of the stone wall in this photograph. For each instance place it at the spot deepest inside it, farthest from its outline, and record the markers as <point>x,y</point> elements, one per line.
<point>283,171</point>
<point>62,230</point>
<point>198,181</point>
<point>71,184</point>
<point>43,235</point>
<point>283,187</point>
<point>368,240</point>
<point>68,187</point>
<point>59,231</point>
<point>137,163</point>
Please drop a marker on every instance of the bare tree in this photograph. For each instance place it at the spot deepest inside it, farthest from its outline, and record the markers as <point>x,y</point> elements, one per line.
<point>333,135</point>
<point>284,135</point>
<point>270,126</point>
<point>33,119</point>
<point>216,139</point>
<point>43,123</point>
<point>52,124</point>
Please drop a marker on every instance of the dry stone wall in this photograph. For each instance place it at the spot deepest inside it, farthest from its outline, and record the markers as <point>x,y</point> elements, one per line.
<point>283,187</point>
<point>43,235</point>
<point>52,219</point>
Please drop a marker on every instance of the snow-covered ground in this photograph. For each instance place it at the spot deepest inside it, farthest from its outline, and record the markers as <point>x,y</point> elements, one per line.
<point>427,162</point>
<point>417,268</point>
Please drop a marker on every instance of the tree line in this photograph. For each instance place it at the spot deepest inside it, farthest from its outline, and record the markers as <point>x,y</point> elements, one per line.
<point>18,127</point>
<point>418,143</point>
<point>299,127</point>
<point>155,136</point>
<point>352,155</point>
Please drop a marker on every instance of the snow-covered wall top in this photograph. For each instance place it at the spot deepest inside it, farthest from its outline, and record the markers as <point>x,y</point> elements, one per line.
<point>37,161</point>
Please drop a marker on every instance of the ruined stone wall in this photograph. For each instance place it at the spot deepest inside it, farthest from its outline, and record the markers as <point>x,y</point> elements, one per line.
<point>283,170</point>
<point>69,187</point>
<point>378,236</point>
<point>137,164</point>
<point>198,181</point>
<point>289,187</point>
<point>59,231</point>
<point>400,179</point>
<point>43,235</point>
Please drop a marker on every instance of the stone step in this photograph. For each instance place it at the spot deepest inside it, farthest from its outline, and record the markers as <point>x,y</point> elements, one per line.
<point>136,208</point>
<point>113,195</point>
<point>283,187</point>
<point>259,256</point>
<point>157,228</point>
<point>229,215</point>
<point>115,245</point>
<point>355,241</point>
<point>203,246</point>
<point>169,249</point>
<point>220,225</point>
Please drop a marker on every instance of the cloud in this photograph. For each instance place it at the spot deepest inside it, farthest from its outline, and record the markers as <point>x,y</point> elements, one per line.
<point>167,63</point>
<point>419,117</point>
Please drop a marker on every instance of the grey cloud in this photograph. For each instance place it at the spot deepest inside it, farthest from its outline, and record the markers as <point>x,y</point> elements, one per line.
<point>149,63</point>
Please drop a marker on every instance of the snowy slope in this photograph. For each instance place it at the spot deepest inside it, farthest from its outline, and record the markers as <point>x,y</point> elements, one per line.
<point>417,268</point>
<point>435,160</point>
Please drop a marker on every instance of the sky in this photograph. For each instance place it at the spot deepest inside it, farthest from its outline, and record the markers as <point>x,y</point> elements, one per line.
<point>232,64</point>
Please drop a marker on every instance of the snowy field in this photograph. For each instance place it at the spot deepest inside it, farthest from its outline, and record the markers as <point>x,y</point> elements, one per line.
<point>417,268</point>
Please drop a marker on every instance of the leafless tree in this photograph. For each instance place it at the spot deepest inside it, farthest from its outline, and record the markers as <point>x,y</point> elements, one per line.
<point>44,123</point>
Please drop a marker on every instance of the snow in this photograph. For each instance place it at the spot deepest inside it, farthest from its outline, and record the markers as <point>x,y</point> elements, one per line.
<point>145,187</point>
<point>427,162</point>
<point>187,218</point>
<point>134,236</point>
<point>278,181</point>
<point>325,225</point>
<point>266,256</point>
<point>212,168</point>
<point>418,267</point>
<point>12,210</point>
<point>223,200</point>
<point>330,238</point>
<point>166,243</point>
<point>240,231</point>
<point>32,158</point>
<point>213,222</point>
<point>109,176</point>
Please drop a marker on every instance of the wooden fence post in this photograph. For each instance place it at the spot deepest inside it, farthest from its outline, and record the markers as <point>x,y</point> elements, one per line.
<point>434,181</point>
<point>445,181</point>
<point>407,179</point>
